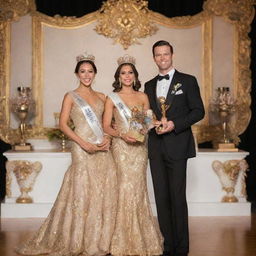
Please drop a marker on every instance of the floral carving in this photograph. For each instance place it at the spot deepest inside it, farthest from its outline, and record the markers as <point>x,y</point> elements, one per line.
<point>234,11</point>
<point>125,21</point>
<point>13,9</point>
<point>228,175</point>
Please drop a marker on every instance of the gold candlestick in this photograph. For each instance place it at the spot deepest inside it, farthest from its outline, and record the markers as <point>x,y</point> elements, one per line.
<point>224,106</point>
<point>23,107</point>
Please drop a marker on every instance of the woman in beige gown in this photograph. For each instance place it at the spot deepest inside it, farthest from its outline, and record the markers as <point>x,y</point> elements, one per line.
<point>136,230</point>
<point>82,219</point>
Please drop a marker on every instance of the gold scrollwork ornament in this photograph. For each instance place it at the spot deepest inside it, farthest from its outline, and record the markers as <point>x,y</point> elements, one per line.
<point>14,9</point>
<point>125,21</point>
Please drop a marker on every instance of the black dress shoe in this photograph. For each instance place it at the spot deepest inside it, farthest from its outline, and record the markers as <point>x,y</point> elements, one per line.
<point>181,254</point>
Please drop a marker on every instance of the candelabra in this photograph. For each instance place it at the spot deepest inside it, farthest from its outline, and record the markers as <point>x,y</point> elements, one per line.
<point>224,105</point>
<point>23,106</point>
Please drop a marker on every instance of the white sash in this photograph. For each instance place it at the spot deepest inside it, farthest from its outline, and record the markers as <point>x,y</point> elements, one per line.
<point>124,111</point>
<point>90,117</point>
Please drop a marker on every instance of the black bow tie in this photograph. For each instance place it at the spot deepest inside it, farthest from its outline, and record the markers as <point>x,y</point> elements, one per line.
<point>159,78</point>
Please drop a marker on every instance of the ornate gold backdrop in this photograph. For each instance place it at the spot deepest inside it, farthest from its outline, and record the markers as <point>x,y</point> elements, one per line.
<point>238,14</point>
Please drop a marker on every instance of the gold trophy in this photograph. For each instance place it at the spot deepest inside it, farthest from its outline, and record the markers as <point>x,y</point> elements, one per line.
<point>164,108</point>
<point>23,107</point>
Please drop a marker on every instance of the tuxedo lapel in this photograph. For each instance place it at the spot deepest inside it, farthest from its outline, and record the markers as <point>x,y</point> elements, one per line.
<point>154,101</point>
<point>170,96</point>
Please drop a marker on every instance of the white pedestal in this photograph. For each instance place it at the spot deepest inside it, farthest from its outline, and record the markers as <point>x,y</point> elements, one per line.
<point>204,192</point>
<point>46,187</point>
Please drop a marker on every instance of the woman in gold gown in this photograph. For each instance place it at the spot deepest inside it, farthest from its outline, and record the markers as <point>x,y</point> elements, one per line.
<point>136,230</point>
<point>82,219</point>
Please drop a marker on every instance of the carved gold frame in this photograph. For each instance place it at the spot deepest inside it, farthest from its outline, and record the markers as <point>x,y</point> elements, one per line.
<point>239,13</point>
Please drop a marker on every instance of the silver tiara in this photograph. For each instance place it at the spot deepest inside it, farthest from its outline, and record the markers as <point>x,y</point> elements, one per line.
<point>85,56</point>
<point>126,59</point>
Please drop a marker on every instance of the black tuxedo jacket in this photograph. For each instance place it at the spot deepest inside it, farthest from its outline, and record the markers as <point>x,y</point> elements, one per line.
<point>185,110</point>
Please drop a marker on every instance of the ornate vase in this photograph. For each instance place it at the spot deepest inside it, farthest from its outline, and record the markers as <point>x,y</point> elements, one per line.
<point>228,174</point>
<point>25,173</point>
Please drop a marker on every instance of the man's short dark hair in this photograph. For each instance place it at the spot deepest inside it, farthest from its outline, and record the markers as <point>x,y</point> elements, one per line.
<point>161,43</point>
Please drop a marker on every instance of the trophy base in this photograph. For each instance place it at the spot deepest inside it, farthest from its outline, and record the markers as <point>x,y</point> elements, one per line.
<point>24,200</point>
<point>26,147</point>
<point>226,147</point>
<point>229,199</point>
<point>136,135</point>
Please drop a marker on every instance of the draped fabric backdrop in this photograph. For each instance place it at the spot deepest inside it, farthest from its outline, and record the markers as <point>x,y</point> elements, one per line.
<point>172,8</point>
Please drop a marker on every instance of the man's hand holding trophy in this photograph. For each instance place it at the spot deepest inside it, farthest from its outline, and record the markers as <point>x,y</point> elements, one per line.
<point>163,126</point>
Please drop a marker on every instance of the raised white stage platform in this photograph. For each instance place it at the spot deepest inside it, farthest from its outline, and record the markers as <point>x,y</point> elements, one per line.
<point>204,191</point>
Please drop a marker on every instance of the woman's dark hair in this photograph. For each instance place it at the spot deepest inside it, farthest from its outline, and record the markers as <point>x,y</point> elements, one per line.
<point>117,86</point>
<point>161,43</point>
<point>78,65</point>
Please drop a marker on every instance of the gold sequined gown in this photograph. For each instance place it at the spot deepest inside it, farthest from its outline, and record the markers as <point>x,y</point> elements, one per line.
<point>82,219</point>
<point>136,231</point>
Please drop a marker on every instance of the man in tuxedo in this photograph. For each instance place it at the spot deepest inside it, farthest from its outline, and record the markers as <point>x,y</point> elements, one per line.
<point>170,145</point>
<point>3,147</point>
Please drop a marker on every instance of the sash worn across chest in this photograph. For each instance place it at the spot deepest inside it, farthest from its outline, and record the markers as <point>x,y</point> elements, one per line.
<point>90,117</point>
<point>123,110</point>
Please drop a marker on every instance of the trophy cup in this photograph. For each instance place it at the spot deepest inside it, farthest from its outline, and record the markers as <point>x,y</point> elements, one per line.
<point>164,107</point>
<point>224,105</point>
<point>23,107</point>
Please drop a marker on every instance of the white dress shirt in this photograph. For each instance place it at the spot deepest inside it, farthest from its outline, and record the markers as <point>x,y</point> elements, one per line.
<point>162,87</point>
